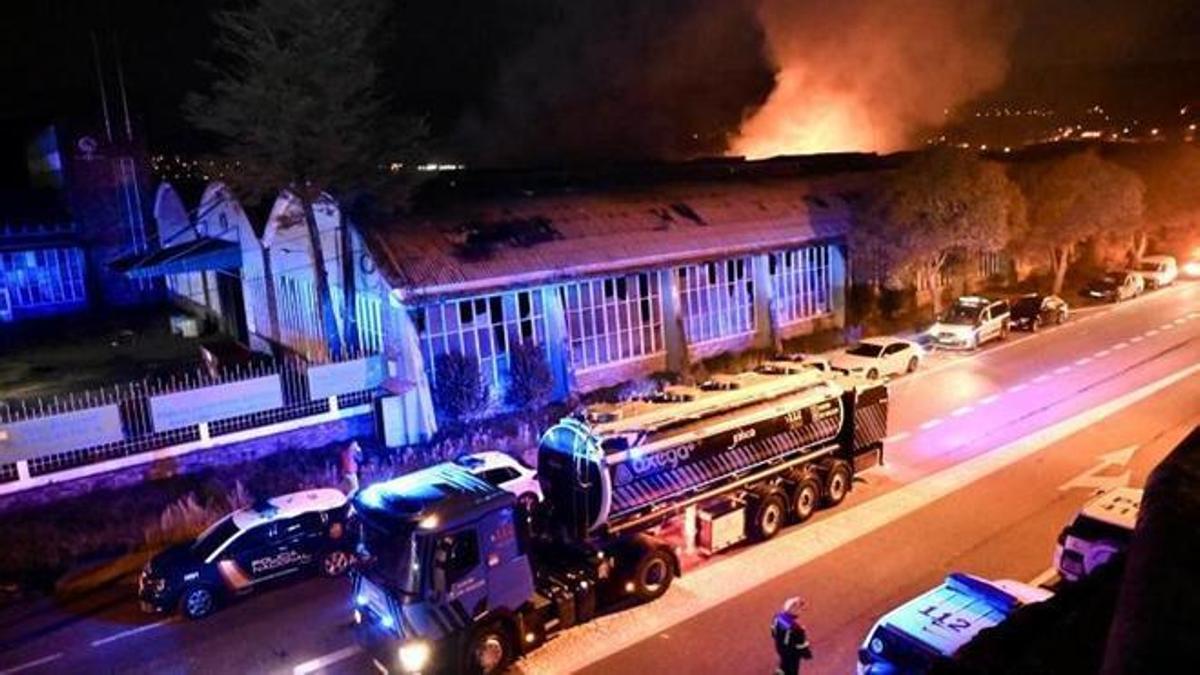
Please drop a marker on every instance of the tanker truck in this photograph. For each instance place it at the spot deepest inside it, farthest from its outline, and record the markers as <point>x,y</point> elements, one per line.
<point>458,577</point>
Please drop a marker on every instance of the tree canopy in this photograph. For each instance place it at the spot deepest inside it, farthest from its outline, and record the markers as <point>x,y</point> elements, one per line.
<point>1171,175</point>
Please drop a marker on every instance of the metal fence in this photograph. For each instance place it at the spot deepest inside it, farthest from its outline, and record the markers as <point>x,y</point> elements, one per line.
<point>141,432</point>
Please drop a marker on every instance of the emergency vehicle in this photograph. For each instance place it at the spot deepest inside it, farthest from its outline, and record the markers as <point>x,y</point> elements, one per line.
<point>1101,529</point>
<point>931,627</point>
<point>247,549</point>
<point>460,578</point>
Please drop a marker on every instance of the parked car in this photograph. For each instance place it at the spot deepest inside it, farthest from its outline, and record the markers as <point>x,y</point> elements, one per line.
<point>1031,312</point>
<point>875,357</point>
<point>248,548</point>
<point>970,322</point>
<point>1101,529</point>
<point>1157,271</point>
<point>930,628</point>
<point>1115,287</point>
<point>505,472</point>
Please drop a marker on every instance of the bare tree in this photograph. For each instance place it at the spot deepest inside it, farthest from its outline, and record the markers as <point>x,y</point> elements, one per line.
<point>940,203</point>
<point>1171,175</point>
<point>295,105</point>
<point>1071,200</point>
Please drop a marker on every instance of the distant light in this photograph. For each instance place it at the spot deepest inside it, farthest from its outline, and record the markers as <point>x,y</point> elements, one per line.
<point>1154,132</point>
<point>1007,149</point>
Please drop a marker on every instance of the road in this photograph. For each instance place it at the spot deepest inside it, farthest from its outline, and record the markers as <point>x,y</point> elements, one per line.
<point>979,447</point>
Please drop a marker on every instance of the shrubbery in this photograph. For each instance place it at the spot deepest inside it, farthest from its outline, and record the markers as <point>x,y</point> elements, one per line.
<point>459,392</point>
<point>530,382</point>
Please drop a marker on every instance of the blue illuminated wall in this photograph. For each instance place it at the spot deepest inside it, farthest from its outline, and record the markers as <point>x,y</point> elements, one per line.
<point>41,282</point>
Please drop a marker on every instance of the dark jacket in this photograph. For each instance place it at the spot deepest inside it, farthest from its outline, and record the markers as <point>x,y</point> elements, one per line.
<point>791,642</point>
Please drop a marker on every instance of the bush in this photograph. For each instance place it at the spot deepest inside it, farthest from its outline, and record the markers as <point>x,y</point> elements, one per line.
<point>530,381</point>
<point>459,393</point>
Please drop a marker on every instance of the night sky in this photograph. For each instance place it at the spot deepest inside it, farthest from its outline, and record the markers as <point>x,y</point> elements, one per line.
<point>548,81</point>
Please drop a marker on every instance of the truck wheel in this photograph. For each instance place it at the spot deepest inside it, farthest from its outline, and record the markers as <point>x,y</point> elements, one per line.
<point>335,563</point>
<point>197,602</point>
<point>768,517</point>
<point>805,499</point>
<point>837,484</point>
<point>490,651</point>
<point>653,575</point>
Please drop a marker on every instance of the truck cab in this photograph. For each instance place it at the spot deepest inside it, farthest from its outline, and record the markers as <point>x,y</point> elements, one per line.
<point>445,571</point>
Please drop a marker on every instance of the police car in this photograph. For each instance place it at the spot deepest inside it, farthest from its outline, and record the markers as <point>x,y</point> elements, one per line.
<point>1102,528</point>
<point>930,628</point>
<point>506,473</point>
<point>238,553</point>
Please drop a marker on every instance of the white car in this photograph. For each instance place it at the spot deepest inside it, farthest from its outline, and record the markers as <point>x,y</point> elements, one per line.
<point>1101,529</point>
<point>877,357</point>
<point>970,322</point>
<point>1157,271</point>
<point>505,472</point>
<point>929,629</point>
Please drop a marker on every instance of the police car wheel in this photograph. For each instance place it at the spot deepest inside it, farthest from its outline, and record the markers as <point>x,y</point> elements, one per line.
<point>912,365</point>
<point>197,602</point>
<point>490,651</point>
<point>528,501</point>
<point>335,563</point>
<point>837,484</point>
<point>805,500</point>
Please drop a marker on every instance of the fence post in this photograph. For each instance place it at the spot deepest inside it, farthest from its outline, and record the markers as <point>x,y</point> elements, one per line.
<point>204,437</point>
<point>333,404</point>
<point>23,470</point>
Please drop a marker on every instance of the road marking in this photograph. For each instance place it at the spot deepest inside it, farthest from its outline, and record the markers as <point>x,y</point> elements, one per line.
<point>327,660</point>
<point>1062,370</point>
<point>1151,333</point>
<point>1136,339</point>
<point>1084,361</point>
<point>1092,480</point>
<point>896,438</point>
<point>1102,353</point>
<point>959,412</point>
<point>727,578</point>
<point>987,400</point>
<point>1180,322</point>
<point>131,632</point>
<point>1040,379</point>
<point>1119,346</point>
<point>32,664</point>
<point>1166,326</point>
<point>1043,577</point>
<point>1017,387</point>
<point>931,423</point>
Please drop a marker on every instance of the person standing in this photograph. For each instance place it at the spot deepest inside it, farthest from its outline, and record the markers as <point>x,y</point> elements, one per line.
<point>351,456</point>
<point>791,641</point>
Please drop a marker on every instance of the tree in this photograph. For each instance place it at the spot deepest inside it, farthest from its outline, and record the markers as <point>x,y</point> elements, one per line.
<point>530,381</point>
<point>459,391</point>
<point>939,203</point>
<point>295,105</point>
<point>1072,199</point>
<point>1171,174</point>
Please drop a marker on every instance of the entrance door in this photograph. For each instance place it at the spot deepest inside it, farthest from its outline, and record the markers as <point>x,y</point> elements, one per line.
<point>233,309</point>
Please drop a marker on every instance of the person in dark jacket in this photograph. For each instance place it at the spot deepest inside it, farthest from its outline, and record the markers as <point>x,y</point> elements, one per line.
<point>791,642</point>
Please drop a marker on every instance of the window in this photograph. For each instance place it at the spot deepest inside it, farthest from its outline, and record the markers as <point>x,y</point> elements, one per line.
<point>894,349</point>
<point>614,319</point>
<point>500,475</point>
<point>457,555</point>
<point>43,278</point>
<point>802,283</point>
<point>717,299</point>
<point>482,328</point>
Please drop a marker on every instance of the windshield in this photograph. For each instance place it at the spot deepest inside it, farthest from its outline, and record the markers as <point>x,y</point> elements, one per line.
<point>1027,306</point>
<point>961,315</point>
<point>211,539</point>
<point>393,556</point>
<point>865,349</point>
<point>1106,282</point>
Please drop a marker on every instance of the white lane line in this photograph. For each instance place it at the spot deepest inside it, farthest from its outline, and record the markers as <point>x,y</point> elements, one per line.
<point>1101,354</point>
<point>717,582</point>
<point>1151,333</point>
<point>1040,379</point>
<point>1119,346</point>
<point>1084,361</point>
<point>988,400</point>
<point>959,412</point>
<point>1180,322</point>
<point>1062,370</point>
<point>1043,577</point>
<point>131,632</point>
<point>32,664</point>
<point>931,424</point>
<point>327,660</point>
<point>1017,387</point>
<point>896,438</point>
<point>1136,339</point>
<point>1166,326</point>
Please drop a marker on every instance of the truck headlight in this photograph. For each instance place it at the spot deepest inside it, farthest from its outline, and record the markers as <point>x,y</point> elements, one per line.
<point>414,656</point>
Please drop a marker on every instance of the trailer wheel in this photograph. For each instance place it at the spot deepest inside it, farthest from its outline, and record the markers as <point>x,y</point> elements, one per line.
<point>768,519</point>
<point>653,575</point>
<point>805,499</point>
<point>490,651</point>
<point>837,484</point>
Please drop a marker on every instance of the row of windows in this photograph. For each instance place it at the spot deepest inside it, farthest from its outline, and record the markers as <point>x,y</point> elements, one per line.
<point>614,319</point>
<point>801,282</point>
<point>43,277</point>
<point>717,299</point>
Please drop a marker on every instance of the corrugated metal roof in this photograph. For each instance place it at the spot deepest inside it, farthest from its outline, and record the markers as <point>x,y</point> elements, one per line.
<point>536,238</point>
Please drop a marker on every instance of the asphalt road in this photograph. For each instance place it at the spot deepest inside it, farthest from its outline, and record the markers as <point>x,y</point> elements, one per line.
<point>979,447</point>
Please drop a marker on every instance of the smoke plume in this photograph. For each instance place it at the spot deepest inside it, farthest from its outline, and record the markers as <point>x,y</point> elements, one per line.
<point>871,76</point>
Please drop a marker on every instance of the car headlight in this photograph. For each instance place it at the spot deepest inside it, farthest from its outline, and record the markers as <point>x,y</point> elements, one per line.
<point>414,656</point>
